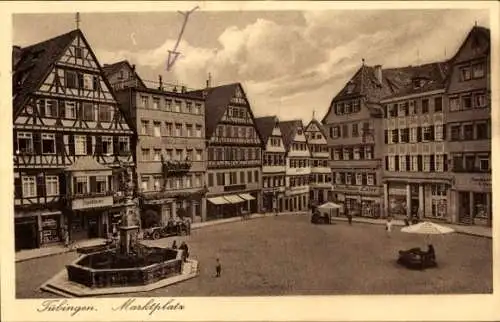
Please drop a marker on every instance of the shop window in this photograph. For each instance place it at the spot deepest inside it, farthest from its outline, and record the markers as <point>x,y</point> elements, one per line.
<point>480,205</point>
<point>439,208</point>
<point>29,186</point>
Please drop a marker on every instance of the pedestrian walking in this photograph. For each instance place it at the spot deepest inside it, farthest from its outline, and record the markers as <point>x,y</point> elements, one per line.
<point>218,268</point>
<point>388,226</point>
<point>185,254</point>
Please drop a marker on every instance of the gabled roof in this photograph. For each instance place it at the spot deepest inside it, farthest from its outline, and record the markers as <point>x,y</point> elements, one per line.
<point>288,130</point>
<point>480,34</point>
<point>35,63</point>
<point>319,125</point>
<point>217,100</point>
<point>110,69</point>
<point>87,163</point>
<point>265,126</point>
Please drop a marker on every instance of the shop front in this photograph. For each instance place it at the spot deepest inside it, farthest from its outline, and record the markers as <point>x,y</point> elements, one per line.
<point>37,229</point>
<point>297,199</point>
<point>88,217</point>
<point>363,201</point>
<point>473,199</point>
<point>231,205</point>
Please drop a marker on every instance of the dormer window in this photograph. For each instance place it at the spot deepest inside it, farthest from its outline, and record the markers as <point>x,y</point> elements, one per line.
<point>418,82</point>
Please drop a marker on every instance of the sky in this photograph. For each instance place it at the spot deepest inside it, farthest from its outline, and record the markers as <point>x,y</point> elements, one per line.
<point>290,63</point>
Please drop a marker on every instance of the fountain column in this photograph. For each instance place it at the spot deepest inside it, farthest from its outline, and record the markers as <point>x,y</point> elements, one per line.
<point>129,228</point>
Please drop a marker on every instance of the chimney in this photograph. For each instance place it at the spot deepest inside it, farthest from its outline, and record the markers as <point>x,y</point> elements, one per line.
<point>378,73</point>
<point>133,68</point>
<point>183,89</point>
<point>209,80</point>
<point>161,83</point>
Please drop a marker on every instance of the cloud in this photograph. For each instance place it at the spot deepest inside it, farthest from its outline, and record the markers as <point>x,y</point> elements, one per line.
<point>292,68</point>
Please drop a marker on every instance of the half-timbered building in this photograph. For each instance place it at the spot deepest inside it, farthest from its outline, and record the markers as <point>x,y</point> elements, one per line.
<point>273,163</point>
<point>234,147</point>
<point>320,183</point>
<point>170,153</point>
<point>72,143</point>
<point>298,158</point>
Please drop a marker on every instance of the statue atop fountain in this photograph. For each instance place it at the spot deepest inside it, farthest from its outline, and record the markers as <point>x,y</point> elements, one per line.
<point>129,228</point>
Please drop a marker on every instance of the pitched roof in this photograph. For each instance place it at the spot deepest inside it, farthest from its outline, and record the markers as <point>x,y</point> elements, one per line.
<point>35,63</point>
<point>288,130</point>
<point>217,100</point>
<point>265,126</point>
<point>319,125</point>
<point>110,69</point>
<point>87,163</point>
<point>479,34</point>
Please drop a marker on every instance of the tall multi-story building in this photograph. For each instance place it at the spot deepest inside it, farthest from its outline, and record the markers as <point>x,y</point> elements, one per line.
<point>234,152</point>
<point>72,144</point>
<point>170,154</point>
<point>273,163</point>
<point>297,165</point>
<point>320,182</point>
<point>468,117</point>
<point>416,178</point>
<point>355,137</point>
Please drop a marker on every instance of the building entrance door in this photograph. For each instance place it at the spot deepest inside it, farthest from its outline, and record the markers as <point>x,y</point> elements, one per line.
<point>93,225</point>
<point>415,206</point>
<point>25,235</point>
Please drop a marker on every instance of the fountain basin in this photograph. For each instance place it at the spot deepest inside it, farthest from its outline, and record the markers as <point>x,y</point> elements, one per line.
<point>111,269</point>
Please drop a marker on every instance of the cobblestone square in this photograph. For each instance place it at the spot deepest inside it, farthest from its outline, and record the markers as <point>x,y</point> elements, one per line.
<point>287,255</point>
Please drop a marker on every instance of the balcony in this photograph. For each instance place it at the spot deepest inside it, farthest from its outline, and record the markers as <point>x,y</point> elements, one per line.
<point>176,168</point>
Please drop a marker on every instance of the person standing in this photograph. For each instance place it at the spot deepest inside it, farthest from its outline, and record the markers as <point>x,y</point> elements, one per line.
<point>349,217</point>
<point>218,268</point>
<point>388,226</point>
<point>174,245</point>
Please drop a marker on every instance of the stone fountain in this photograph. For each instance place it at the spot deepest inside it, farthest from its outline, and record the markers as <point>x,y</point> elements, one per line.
<point>128,267</point>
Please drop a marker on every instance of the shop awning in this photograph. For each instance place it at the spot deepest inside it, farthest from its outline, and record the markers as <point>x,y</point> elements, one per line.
<point>246,196</point>
<point>218,200</point>
<point>233,199</point>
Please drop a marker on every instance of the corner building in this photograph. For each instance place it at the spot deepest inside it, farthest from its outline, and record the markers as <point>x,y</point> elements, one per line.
<point>170,153</point>
<point>234,152</point>
<point>72,144</point>
<point>416,178</point>
<point>355,139</point>
<point>468,116</point>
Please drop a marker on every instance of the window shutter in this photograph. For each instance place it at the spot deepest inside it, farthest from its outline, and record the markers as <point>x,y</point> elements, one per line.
<point>18,188</point>
<point>419,134</point>
<point>71,143</point>
<point>37,143</point>
<point>386,136</point>
<point>62,185</point>
<point>115,145</point>
<point>98,145</point>
<point>432,132</point>
<point>396,161</point>
<point>386,163</point>
<point>110,184</point>
<point>62,110</point>
<point>93,184</point>
<point>53,108</point>
<point>364,179</point>
<point>419,162</point>
<point>445,163</point>
<point>59,144</point>
<point>385,111</point>
<point>407,163</point>
<point>432,167</point>
<point>40,106</point>
<point>89,144</point>
<point>40,186</point>
<point>16,146</point>
<point>444,132</point>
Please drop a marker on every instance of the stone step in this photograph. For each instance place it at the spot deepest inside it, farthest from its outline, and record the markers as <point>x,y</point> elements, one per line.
<point>57,291</point>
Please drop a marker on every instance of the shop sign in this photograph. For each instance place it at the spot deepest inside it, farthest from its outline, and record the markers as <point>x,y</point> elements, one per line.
<point>92,203</point>
<point>482,182</point>
<point>473,182</point>
<point>357,189</point>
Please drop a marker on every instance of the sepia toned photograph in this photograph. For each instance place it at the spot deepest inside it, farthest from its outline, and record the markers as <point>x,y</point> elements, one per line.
<point>269,153</point>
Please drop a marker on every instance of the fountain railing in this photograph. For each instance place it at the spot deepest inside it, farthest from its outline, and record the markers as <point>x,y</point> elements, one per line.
<point>121,277</point>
